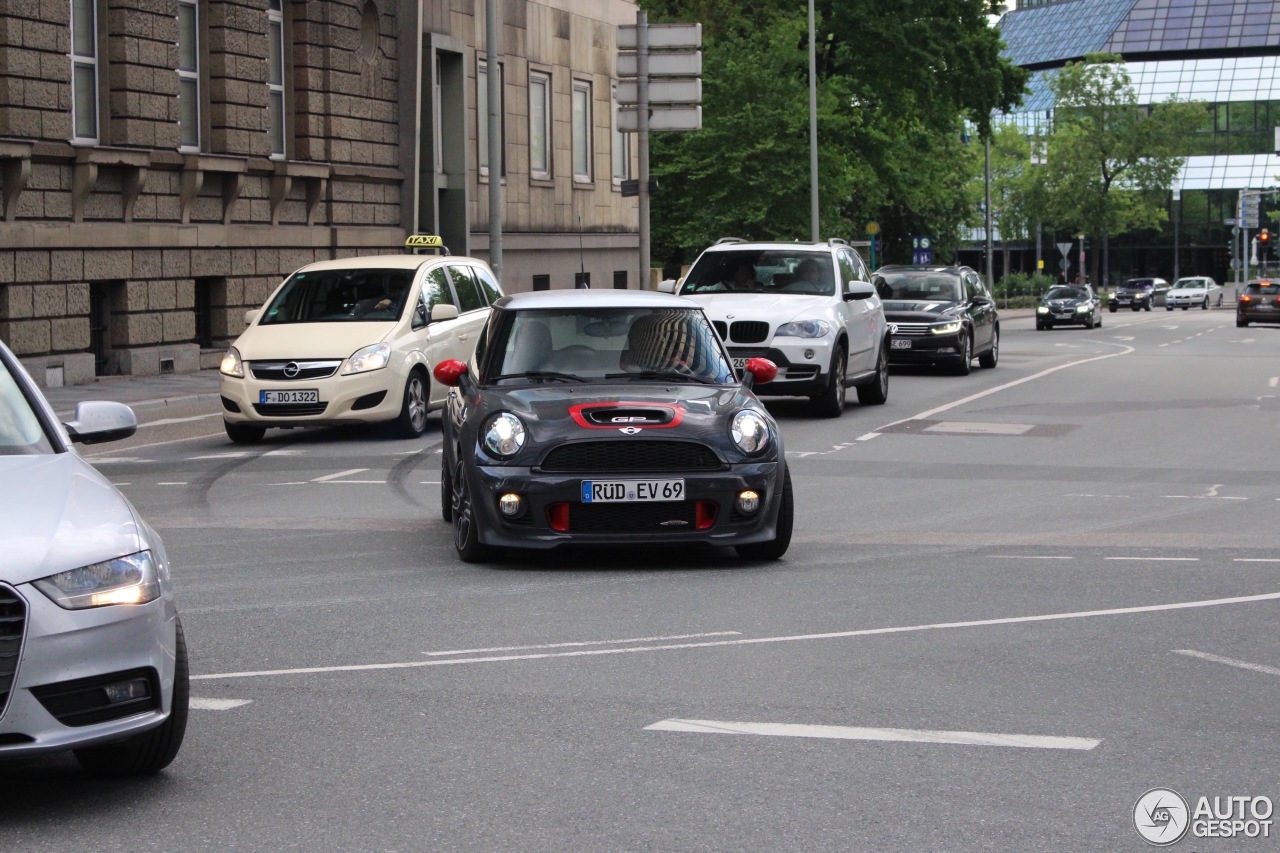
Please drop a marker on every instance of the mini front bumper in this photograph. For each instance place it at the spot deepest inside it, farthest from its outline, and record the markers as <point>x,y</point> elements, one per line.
<point>538,490</point>
<point>67,645</point>
<point>360,398</point>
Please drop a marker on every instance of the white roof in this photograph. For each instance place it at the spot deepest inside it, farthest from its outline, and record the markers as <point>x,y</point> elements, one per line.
<point>592,299</point>
<point>403,261</point>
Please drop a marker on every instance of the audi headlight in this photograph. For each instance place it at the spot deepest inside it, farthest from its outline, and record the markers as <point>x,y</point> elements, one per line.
<point>505,435</point>
<point>1080,309</point>
<point>946,328</point>
<point>750,432</point>
<point>373,357</point>
<point>232,365</point>
<point>125,580</point>
<point>1043,309</point>
<point>805,329</point>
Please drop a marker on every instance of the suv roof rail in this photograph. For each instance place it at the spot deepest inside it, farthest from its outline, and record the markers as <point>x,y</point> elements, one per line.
<point>837,241</point>
<point>730,240</point>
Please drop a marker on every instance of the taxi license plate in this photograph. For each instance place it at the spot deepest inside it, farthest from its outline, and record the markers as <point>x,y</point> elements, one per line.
<point>900,343</point>
<point>268,398</point>
<point>631,491</point>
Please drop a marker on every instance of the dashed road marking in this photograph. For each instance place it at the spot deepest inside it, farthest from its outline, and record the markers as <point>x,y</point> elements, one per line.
<point>203,704</point>
<point>1256,560</point>
<point>1157,559</point>
<point>1239,664</point>
<point>1096,496</point>
<point>172,483</point>
<point>1030,557</point>
<point>867,436</point>
<point>717,727</point>
<point>168,421</point>
<point>327,478</point>
<point>585,643</point>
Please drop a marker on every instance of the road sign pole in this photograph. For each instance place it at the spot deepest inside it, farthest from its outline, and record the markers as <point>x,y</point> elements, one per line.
<point>991,281</point>
<point>813,132</point>
<point>642,137</point>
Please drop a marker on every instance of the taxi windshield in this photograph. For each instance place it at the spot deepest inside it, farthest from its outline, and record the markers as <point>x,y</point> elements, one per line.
<point>20,430</point>
<point>340,296</point>
<point>773,271</point>
<point>1066,293</point>
<point>614,344</point>
<point>918,286</point>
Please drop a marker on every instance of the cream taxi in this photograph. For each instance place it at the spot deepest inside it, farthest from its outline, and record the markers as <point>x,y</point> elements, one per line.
<point>354,341</point>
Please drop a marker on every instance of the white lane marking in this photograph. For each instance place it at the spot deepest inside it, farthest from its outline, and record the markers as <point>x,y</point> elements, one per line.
<point>867,436</point>
<point>283,452</point>
<point>167,421</point>
<point>122,484</point>
<point>172,483</point>
<point>980,428</point>
<point>116,459</point>
<point>1207,497</point>
<point>1157,559</point>
<point>1095,496</point>
<point>1239,664</point>
<point>410,452</point>
<point>1068,346</point>
<point>753,641</point>
<point>221,434</point>
<point>586,643</point>
<point>1029,557</point>
<point>232,455</point>
<point>201,704</point>
<point>1123,337</point>
<point>295,483</point>
<point>1256,560</point>
<point>716,727</point>
<point>1170,328</point>
<point>1164,345</point>
<point>429,482</point>
<point>1273,381</point>
<point>328,477</point>
<point>358,482</point>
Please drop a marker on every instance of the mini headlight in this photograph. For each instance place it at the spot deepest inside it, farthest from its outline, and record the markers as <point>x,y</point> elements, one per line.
<point>750,432</point>
<point>373,357</point>
<point>1080,309</point>
<point>1043,309</point>
<point>125,580</point>
<point>946,328</point>
<point>505,435</point>
<point>804,329</point>
<point>232,365</point>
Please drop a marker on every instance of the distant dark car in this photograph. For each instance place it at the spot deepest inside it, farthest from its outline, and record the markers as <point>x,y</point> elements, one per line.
<point>595,417</point>
<point>1260,303</point>
<point>1069,304</point>
<point>938,315</point>
<point>1137,293</point>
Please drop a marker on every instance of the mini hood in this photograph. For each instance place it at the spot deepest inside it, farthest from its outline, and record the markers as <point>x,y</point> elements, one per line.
<point>309,340</point>
<point>58,513</point>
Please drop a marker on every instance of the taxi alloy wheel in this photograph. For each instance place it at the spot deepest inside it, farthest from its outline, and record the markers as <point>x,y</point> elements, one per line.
<point>466,533</point>
<point>413,412</point>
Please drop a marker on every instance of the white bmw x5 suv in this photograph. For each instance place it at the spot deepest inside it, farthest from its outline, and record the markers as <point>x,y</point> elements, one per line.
<point>808,307</point>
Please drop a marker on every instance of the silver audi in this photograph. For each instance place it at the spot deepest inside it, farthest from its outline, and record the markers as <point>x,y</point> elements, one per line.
<point>92,657</point>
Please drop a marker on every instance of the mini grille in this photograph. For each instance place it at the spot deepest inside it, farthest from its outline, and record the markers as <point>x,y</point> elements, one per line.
<point>632,517</point>
<point>13,620</point>
<point>721,329</point>
<point>289,410</point>
<point>281,371</point>
<point>911,330</point>
<point>749,332</point>
<point>607,457</point>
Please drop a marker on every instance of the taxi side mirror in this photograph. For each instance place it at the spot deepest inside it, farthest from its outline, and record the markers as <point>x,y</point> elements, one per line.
<point>443,311</point>
<point>250,316</point>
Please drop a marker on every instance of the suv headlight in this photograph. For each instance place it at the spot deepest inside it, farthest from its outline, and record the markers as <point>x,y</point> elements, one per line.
<point>946,328</point>
<point>805,329</point>
<point>750,432</point>
<point>232,365</point>
<point>373,357</point>
<point>125,580</point>
<point>505,435</point>
<point>1080,309</point>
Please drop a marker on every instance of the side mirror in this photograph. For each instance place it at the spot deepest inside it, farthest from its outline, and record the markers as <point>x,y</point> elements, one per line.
<point>444,311</point>
<point>858,290</point>
<point>451,371</point>
<point>251,315</point>
<point>982,300</point>
<point>668,286</point>
<point>761,371</point>
<point>98,421</point>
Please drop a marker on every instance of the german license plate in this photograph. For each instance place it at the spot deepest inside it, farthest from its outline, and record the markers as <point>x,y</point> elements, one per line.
<point>631,491</point>
<point>900,343</point>
<point>739,363</point>
<point>1063,316</point>
<point>268,398</point>
<point>1123,300</point>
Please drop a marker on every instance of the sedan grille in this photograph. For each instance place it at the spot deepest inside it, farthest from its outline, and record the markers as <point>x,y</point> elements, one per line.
<point>655,517</point>
<point>911,330</point>
<point>749,332</point>
<point>13,622</point>
<point>289,410</point>
<point>289,371</point>
<point>609,457</point>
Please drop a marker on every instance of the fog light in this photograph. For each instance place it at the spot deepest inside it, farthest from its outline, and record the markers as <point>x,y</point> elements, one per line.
<point>748,501</point>
<point>510,505</point>
<point>705,513</point>
<point>127,691</point>
<point>808,353</point>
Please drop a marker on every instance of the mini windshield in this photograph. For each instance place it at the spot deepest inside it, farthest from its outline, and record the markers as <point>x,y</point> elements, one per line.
<point>20,430</point>
<point>617,344</point>
<point>340,296</point>
<point>918,286</point>
<point>1189,283</point>
<point>762,271</point>
<point>1066,293</point>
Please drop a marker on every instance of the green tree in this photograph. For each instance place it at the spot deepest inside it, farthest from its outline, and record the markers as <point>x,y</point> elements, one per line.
<point>1019,200</point>
<point>1111,163</point>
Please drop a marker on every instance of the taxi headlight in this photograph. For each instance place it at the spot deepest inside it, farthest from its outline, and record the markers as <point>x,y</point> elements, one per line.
<point>805,329</point>
<point>373,357</point>
<point>505,435</point>
<point>946,328</point>
<point>232,365</point>
<point>750,432</point>
<point>125,580</point>
<point>1080,309</point>
<point>1043,309</point>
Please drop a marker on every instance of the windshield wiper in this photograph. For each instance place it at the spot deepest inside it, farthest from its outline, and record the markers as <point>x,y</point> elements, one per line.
<point>661,374</point>
<point>539,374</point>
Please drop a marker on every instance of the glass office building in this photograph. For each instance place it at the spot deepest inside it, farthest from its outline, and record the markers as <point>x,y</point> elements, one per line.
<point>1220,52</point>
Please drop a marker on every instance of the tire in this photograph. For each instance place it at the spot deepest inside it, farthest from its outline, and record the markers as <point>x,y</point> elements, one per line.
<point>777,546</point>
<point>1098,324</point>
<point>1185,307</point>
<point>413,411</point>
<point>244,433</point>
<point>154,749</point>
<point>446,489</point>
<point>989,358</point>
<point>1168,307</point>
<point>1136,308</point>
<point>466,530</point>
<point>1039,326</point>
<point>876,392</point>
<point>1204,306</point>
<point>1112,308</point>
<point>1241,323</point>
<point>830,403</point>
<point>966,359</point>
<point>1219,300</point>
<point>1147,307</point>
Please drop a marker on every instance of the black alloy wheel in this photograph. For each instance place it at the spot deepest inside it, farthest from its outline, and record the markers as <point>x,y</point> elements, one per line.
<point>965,345</point>
<point>989,358</point>
<point>830,403</point>
<point>466,532</point>
<point>876,392</point>
<point>777,546</point>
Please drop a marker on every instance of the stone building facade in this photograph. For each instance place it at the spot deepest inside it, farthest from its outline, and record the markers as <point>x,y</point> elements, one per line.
<point>165,163</point>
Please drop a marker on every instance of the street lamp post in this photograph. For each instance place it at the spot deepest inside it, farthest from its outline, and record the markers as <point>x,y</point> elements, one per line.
<point>1177,214</point>
<point>813,129</point>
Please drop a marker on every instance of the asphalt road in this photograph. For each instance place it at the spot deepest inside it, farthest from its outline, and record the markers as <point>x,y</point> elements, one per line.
<point>1018,599</point>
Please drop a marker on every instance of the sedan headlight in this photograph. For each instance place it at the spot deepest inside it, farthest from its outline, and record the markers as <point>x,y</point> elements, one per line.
<point>373,357</point>
<point>805,329</point>
<point>1043,309</point>
<point>125,580</point>
<point>750,432</point>
<point>505,435</point>
<point>946,328</point>
<point>232,365</point>
<point>1080,309</point>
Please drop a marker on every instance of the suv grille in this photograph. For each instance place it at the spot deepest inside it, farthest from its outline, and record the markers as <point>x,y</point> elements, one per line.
<point>749,332</point>
<point>632,517</point>
<point>625,456</point>
<point>13,622</point>
<point>280,370</point>
<point>721,329</point>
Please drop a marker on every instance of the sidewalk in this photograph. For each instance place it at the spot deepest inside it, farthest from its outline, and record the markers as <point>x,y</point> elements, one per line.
<point>140,392</point>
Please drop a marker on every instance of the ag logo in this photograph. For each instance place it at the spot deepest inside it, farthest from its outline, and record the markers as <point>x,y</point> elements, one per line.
<point>1161,817</point>
<point>630,430</point>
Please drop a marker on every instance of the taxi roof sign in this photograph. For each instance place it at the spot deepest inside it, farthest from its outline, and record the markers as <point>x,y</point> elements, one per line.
<point>425,241</point>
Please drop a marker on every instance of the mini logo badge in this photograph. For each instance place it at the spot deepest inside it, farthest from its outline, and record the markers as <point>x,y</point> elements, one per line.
<point>291,370</point>
<point>1161,817</point>
<point>630,430</point>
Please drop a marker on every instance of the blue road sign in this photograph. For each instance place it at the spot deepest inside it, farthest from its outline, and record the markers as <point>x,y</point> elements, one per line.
<point>921,250</point>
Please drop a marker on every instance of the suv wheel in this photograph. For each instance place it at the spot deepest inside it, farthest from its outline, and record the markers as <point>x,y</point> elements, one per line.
<point>830,403</point>
<point>876,392</point>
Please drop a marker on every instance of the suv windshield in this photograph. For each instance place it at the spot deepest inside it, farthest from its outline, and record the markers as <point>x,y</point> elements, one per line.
<point>1066,293</point>
<point>591,344</point>
<point>340,296</point>
<point>918,285</point>
<point>20,430</point>
<point>800,271</point>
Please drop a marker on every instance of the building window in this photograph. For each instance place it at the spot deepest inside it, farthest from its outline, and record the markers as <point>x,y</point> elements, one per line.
<point>539,126</point>
<point>542,282</point>
<point>275,77</point>
<point>582,131</point>
<point>189,74</point>
<point>621,145</point>
<point>482,116</point>
<point>84,70</point>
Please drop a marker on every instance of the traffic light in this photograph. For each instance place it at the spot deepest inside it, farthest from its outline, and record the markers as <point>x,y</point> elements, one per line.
<point>1264,237</point>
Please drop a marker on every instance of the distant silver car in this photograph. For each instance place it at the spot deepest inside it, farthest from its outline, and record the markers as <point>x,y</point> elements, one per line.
<point>1193,292</point>
<point>92,656</point>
